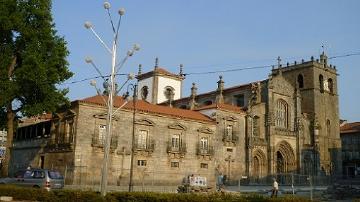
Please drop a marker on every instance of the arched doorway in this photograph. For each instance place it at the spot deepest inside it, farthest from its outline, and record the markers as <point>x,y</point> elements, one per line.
<point>285,162</point>
<point>280,163</point>
<point>258,166</point>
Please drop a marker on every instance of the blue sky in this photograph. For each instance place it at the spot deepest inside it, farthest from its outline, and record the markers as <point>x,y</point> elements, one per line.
<point>211,35</point>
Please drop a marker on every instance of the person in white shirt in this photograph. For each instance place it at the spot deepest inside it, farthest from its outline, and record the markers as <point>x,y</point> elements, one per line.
<point>275,188</point>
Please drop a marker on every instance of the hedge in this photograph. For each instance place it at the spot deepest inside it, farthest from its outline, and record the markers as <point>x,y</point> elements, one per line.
<point>31,194</point>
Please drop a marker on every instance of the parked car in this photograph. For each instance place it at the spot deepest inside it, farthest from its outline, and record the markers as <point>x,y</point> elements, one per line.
<point>37,178</point>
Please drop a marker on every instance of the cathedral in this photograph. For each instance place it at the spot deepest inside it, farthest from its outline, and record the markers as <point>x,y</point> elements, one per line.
<point>287,123</point>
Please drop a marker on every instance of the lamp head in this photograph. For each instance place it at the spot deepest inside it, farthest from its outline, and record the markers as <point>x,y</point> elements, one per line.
<point>106,5</point>
<point>121,11</point>
<point>136,47</point>
<point>88,25</point>
<point>93,83</point>
<point>130,53</point>
<point>88,60</point>
<point>126,96</point>
<point>131,76</point>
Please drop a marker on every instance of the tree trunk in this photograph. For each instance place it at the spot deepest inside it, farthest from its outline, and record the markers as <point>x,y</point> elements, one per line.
<point>10,117</point>
<point>9,140</point>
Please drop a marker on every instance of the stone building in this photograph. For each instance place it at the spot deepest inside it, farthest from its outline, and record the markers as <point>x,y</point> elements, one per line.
<point>350,139</point>
<point>291,121</point>
<point>288,123</point>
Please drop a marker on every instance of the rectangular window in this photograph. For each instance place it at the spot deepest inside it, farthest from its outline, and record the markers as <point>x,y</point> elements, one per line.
<point>239,100</point>
<point>175,141</point>
<point>229,149</point>
<point>141,163</point>
<point>102,133</point>
<point>229,132</point>
<point>142,139</point>
<point>204,143</point>
<point>204,165</point>
<point>174,164</point>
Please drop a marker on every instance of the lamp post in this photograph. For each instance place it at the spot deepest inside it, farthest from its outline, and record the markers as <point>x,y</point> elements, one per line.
<point>109,85</point>
<point>134,88</point>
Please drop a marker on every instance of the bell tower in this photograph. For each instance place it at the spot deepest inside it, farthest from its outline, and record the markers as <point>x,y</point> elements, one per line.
<point>316,82</point>
<point>159,85</point>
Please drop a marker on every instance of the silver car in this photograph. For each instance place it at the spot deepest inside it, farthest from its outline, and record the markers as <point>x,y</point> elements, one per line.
<point>36,178</point>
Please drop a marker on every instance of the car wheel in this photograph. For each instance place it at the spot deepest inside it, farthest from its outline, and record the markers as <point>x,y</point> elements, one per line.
<point>36,186</point>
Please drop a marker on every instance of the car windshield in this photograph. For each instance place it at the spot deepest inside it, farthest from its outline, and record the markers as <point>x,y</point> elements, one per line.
<point>55,175</point>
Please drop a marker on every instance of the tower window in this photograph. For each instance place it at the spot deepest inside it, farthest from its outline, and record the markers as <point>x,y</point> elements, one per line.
<point>300,81</point>
<point>169,92</point>
<point>144,92</point>
<point>321,83</point>
<point>330,85</point>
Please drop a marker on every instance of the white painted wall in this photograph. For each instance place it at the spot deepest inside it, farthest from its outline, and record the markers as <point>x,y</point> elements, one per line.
<point>149,83</point>
<point>164,82</point>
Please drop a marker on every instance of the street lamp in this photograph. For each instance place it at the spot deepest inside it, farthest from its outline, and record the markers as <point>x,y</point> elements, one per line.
<point>134,88</point>
<point>109,84</point>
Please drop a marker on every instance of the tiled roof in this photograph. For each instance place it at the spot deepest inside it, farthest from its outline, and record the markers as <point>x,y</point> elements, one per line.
<point>149,108</point>
<point>160,71</point>
<point>221,106</point>
<point>350,128</point>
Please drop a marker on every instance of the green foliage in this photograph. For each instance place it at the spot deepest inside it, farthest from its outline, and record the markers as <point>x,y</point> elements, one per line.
<point>31,194</point>
<point>28,40</point>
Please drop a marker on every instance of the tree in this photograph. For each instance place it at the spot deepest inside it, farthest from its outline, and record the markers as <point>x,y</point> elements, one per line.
<point>32,62</point>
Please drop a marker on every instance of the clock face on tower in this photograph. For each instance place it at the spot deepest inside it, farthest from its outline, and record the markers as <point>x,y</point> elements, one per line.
<point>144,92</point>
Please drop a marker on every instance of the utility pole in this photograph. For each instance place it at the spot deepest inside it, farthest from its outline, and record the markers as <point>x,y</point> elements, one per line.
<point>131,186</point>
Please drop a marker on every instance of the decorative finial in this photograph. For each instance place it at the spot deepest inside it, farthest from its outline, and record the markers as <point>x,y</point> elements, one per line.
<point>181,70</point>
<point>220,89</point>
<point>193,90</point>
<point>139,72</point>
<point>312,58</point>
<point>156,62</point>
<point>279,61</point>
<point>193,103</point>
<point>295,63</point>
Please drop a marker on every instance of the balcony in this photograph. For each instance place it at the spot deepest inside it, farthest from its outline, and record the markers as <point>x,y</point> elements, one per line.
<point>233,138</point>
<point>148,147</point>
<point>204,151</point>
<point>95,142</point>
<point>180,149</point>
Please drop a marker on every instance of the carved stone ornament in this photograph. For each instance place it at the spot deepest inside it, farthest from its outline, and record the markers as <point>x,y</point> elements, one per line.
<point>177,126</point>
<point>145,122</point>
<point>205,130</point>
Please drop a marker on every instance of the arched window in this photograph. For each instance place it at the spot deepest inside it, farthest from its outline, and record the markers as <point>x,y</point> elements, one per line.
<point>300,81</point>
<point>281,114</point>
<point>256,127</point>
<point>208,102</point>
<point>330,85</point>
<point>328,128</point>
<point>144,92</point>
<point>169,92</point>
<point>321,83</point>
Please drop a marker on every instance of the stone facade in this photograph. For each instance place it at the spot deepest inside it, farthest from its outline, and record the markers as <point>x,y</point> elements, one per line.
<point>292,119</point>
<point>288,123</point>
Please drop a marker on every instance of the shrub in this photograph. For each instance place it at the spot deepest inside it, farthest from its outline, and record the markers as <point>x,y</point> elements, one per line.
<point>31,194</point>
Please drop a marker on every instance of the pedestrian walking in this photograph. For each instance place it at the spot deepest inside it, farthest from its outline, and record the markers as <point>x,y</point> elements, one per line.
<point>275,188</point>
